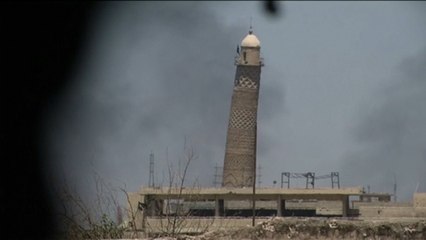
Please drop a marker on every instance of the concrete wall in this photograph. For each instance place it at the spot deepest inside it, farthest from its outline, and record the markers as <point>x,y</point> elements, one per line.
<point>385,212</point>
<point>134,214</point>
<point>420,212</point>
<point>392,209</point>
<point>329,208</point>
<point>419,200</point>
<point>379,209</point>
<point>299,205</point>
<point>248,204</point>
<point>358,204</point>
<point>419,204</point>
<point>290,205</point>
<point>194,224</point>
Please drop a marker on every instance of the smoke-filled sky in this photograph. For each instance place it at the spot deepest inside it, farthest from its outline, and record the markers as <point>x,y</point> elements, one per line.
<point>343,89</point>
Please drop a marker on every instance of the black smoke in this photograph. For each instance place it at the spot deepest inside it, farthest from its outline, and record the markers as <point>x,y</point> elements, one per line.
<point>390,141</point>
<point>156,76</point>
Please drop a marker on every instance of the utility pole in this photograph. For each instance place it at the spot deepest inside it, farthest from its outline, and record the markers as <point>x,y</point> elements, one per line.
<point>259,175</point>
<point>254,177</point>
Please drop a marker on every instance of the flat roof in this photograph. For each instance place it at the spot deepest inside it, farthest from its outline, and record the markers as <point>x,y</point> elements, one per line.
<point>261,193</point>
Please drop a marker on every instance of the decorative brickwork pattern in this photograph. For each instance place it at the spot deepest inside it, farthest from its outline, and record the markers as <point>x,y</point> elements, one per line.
<point>247,76</point>
<point>246,82</point>
<point>240,161</point>
<point>240,151</point>
<point>243,119</point>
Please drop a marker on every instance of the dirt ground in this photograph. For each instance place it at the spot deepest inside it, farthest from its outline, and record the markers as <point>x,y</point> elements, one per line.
<point>310,228</point>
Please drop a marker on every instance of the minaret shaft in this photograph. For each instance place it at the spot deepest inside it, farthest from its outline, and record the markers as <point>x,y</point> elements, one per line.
<point>240,153</point>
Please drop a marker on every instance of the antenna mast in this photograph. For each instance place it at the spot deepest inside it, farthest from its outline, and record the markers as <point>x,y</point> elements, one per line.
<point>251,25</point>
<point>394,188</point>
<point>217,176</point>
<point>151,170</point>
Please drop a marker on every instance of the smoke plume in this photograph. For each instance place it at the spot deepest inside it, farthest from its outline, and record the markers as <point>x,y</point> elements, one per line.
<point>156,76</point>
<point>391,139</point>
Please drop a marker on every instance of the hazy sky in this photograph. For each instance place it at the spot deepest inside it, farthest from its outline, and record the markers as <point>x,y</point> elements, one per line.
<point>343,89</point>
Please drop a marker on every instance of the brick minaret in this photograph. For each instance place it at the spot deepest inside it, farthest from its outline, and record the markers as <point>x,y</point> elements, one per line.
<point>240,153</point>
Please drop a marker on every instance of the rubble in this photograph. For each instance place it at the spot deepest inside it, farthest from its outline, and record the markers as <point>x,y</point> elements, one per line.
<point>318,228</point>
<point>309,228</point>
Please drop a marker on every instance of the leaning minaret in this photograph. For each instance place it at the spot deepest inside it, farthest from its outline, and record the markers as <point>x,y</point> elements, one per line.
<point>240,154</point>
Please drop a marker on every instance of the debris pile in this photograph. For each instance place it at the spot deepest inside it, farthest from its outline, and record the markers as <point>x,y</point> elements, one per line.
<point>309,228</point>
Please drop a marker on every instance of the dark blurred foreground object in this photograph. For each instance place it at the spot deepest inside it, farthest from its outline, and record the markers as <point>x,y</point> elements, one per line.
<point>39,46</point>
<point>272,8</point>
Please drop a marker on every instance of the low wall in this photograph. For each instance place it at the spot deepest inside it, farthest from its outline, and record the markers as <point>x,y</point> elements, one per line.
<point>201,224</point>
<point>358,204</point>
<point>235,204</point>
<point>329,208</point>
<point>385,211</point>
<point>419,200</point>
<point>419,203</point>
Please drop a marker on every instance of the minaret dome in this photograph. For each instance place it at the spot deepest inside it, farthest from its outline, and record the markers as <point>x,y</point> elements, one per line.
<point>250,41</point>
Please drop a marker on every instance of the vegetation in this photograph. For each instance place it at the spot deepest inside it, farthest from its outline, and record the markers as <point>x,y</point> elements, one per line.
<point>81,220</point>
<point>173,221</point>
<point>102,217</point>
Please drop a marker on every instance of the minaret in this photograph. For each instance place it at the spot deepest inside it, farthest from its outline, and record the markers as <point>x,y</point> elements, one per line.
<point>240,154</point>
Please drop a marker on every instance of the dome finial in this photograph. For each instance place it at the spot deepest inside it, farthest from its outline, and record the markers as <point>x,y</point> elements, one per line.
<point>251,27</point>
